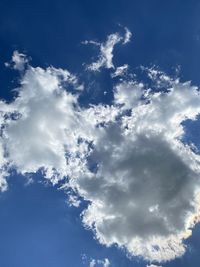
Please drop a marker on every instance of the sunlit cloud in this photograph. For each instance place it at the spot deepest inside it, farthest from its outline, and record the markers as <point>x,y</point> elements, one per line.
<point>126,158</point>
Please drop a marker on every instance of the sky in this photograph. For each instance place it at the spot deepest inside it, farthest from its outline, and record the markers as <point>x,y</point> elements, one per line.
<point>99,140</point>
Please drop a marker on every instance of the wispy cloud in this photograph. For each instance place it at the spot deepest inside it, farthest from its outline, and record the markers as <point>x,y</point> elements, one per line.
<point>105,58</point>
<point>99,263</point>
<point>120,71</point>
<point>18,62</point>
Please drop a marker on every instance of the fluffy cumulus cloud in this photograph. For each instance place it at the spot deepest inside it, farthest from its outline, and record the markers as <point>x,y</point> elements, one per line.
<point>39,123</point>
<point>126,158</point>
<point>144,191</point>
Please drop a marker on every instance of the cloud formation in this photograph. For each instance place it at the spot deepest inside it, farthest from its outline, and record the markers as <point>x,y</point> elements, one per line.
<point>100,263</point>
<point>145,192</point>
<point>105,58</point>
<point>19,60</point>
<point>126,158</point>
<point>120,71</point>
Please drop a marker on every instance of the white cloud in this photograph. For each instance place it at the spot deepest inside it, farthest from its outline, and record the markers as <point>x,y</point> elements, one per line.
<point>3,173</point>
<point>127,37</point>
<point>3,162</point>
<point>73,201</point>
<point>99,263</point>
<point>86,42</point>
<point>120,71</point>
<point>128,94</point>
<point>106,53</point>
<point>153,265</point>
<point>144,192</point>
<point>18,62</point>
<point>92,263</point>
<point>127,158</point>
<point>105,58</point>
<point>41,135</point>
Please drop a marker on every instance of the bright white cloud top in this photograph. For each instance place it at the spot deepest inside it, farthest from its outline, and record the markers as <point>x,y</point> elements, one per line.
<point>127,158</point>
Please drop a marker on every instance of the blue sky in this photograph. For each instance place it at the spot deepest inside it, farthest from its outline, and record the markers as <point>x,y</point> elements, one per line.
<point>38,226</point>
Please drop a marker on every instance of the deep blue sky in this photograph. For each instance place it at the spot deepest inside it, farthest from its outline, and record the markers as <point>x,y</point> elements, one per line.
<point>165,33</point>
<point>37,228</point>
